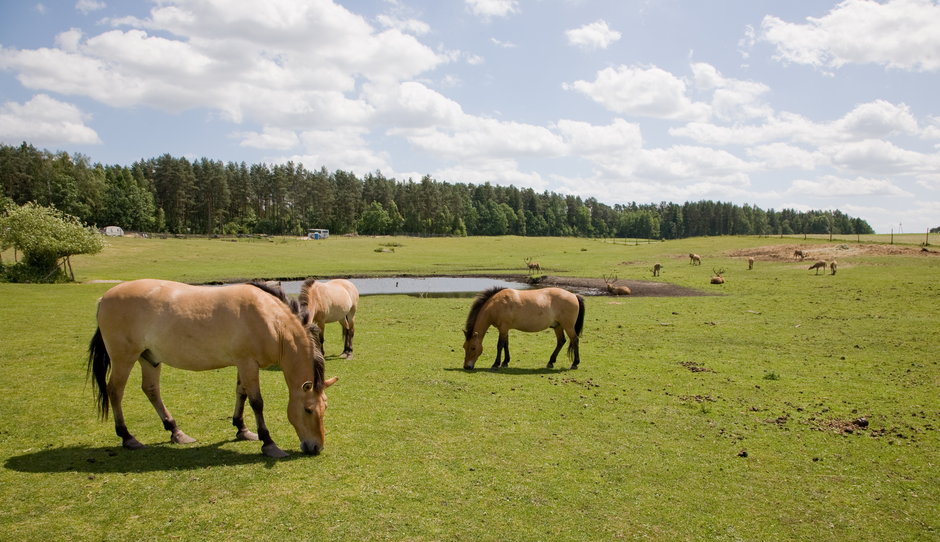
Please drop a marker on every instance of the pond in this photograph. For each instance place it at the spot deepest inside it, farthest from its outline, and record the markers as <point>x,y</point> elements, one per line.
<point>420,286</point>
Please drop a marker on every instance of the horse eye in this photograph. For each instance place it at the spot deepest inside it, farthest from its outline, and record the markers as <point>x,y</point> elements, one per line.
<point>308,410</point>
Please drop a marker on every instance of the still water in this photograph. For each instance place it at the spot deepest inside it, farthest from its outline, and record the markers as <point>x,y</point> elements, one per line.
<point>420,286</point>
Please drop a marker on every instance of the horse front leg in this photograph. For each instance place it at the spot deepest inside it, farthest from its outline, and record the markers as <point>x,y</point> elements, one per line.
<point>559,342</point>
<point>253,388</point>
<point>238,416</point>
<point>150,384</point>
<point>115,389</point>
<point>502,344</point>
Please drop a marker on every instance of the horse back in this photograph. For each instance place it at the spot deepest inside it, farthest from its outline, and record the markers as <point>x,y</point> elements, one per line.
<point>196,327</point>
<point>535,310</point>
<point>333,300</point>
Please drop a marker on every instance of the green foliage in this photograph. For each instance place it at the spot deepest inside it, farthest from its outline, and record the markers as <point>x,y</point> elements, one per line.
<point>176,195</point>
<point>45,236</point>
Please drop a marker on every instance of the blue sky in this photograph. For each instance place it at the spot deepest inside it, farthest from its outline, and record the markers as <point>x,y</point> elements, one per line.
<point>805,105</point>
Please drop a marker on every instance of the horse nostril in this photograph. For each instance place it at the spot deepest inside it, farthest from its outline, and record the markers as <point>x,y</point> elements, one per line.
<point>310,449</point>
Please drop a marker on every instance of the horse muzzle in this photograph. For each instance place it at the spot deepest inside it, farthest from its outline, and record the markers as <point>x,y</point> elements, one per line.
<point>310,448</point>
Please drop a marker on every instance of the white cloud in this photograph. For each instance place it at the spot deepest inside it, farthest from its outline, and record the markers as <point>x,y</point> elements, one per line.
<point>409,26</point>
<point>642,91</point>
<point>899,34</point>
<point>732,99</point>
<point>346,149</point>
<point>44,121</point>
<point>596,35</point>
<point>87,6</point>
<point>287,61</point>
<point>492,8</point>
<point>271,137</point>
<point>830,186</point>
<point>785,156</point>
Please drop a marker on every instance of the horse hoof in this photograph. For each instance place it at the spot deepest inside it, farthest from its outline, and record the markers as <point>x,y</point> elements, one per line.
<point>132,444</point>
<point>245,434</point>
<point>180,437</point>
<point>271,450</point>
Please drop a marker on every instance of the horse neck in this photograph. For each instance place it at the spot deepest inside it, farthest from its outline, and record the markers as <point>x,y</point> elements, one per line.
<point>483,322</point>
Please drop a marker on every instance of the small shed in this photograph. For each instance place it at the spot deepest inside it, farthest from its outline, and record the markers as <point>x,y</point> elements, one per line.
<point>113,231</point>
<point>316,233</point>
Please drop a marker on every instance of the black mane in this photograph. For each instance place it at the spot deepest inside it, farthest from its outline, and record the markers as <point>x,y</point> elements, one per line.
<point>303,291</point>
<point>478,303</point>
<point>300,311</point>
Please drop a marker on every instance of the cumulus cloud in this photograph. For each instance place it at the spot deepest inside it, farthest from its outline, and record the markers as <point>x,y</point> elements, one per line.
<point>899,34</point>
<point>87,6</point>
<point>596,35</point>
<point>829,186</point>
<point>292,60</point>
<point>492,8</point>
<point>642,91</point>
<point>270,138</point>
<point>45,121</point>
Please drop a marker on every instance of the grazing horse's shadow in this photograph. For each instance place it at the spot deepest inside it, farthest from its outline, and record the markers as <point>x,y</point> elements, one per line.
<point>152,458</point>
<point>512,370</point>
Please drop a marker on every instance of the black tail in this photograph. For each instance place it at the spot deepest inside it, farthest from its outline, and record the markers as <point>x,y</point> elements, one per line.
<point>99,364</point>
<point>579,324</point>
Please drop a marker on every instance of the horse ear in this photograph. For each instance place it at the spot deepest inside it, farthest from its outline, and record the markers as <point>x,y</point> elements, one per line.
<point>330,382</point>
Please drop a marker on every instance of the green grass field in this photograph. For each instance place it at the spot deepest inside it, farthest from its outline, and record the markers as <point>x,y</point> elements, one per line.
<point>727,417</point>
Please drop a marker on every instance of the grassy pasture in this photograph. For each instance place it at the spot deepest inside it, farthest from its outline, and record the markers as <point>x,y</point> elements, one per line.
<point>726,417</point>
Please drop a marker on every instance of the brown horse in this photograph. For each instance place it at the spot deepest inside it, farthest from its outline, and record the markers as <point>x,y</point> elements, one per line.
<point>332,301</point>
<point>199,328</point>
<point>525,310</point>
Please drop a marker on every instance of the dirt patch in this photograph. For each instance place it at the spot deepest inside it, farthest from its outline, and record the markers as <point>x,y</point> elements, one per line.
<point>835,251</point>
<point>639,288</point>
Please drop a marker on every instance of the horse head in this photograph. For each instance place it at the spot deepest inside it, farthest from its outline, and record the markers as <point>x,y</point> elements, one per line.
<point>306,408</point>
<point>472,347</point>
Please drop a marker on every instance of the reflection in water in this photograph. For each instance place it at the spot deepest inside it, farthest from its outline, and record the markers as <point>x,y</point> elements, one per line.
<point>420,286</point>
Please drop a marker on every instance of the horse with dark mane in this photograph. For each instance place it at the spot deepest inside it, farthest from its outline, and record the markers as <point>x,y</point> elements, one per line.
<point>250,326</point>
<point>525,310</point>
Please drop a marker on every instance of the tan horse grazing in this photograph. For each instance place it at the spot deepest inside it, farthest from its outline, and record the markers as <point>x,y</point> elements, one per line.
<point>250,326</point>
<point>750,263</point>
<point>525,310</point>
<point>695,259</point>
<point>799,254</point>
<point>332,301</point>
<point>833,266</point>
<point>820,264</point>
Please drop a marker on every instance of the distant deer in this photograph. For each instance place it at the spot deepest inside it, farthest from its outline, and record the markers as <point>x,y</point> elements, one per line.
<point>799,254</point>
<point>717,278</point>
<point>656,269</point>
<point>750,263</point>
<point>820,264</point>
<point>615,290</point>
<point>533,266</point>
<point>832,266</point>
<point>695,259</point>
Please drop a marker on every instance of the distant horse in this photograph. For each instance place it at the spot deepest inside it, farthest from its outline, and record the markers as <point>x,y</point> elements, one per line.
<point>799,254</point>
<point>525,310</point>
<point>250,326</point>
<point>656,269</point>
<point>695,259</point>
<point>332,301</point>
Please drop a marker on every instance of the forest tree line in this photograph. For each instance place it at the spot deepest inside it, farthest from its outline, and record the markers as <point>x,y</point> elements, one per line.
<point>175,195</point>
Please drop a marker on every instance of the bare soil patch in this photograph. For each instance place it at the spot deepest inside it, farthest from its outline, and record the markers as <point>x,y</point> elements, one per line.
<point>835,251</point>
<point>639,288</point>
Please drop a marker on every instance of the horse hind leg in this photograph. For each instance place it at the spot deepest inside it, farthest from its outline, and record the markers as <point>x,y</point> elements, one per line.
<point>120,371</point>
<point>349,330</point>
<point>238,416</point>
<point>559,342</point>
<point>150,384</point>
